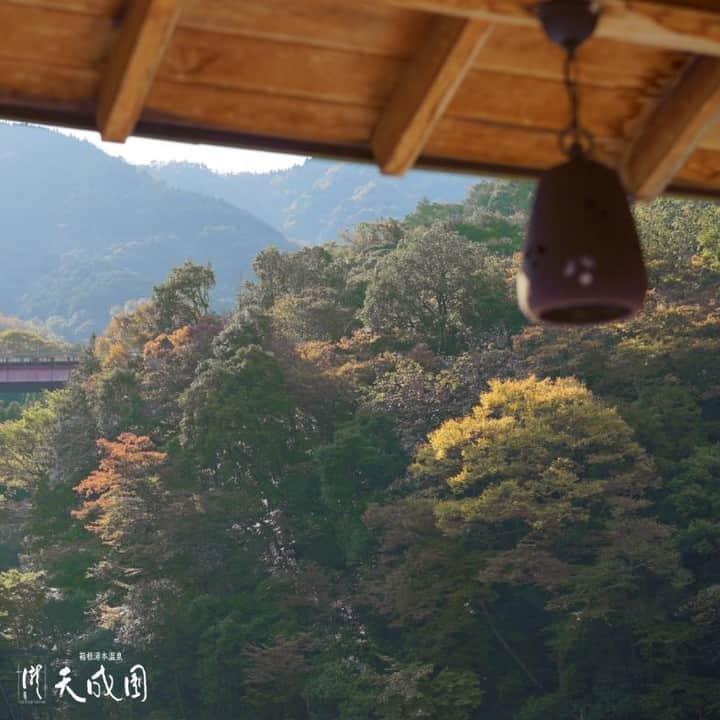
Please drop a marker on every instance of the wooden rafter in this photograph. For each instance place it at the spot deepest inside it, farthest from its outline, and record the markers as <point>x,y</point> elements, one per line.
<point>680,25</point>
<point>135,58</point>
<point>424,90</point>
<point>369,79</point>
<point>674,130</point>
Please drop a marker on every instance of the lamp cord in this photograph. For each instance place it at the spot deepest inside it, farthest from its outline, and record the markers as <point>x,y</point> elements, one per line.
<point>574,131</point>
<point>571,89</point>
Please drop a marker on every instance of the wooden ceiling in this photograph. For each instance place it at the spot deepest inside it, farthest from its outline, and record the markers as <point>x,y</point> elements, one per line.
<point>465,84</point>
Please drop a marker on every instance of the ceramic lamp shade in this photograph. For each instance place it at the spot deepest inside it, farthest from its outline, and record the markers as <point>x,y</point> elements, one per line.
<point>583,262</point>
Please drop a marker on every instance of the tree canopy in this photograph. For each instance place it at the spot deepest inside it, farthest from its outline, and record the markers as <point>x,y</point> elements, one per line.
<point>372,492</point>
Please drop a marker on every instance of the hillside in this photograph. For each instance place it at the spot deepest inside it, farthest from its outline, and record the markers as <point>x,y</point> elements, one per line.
<point>85,232</point>
<point>315,202</point>
<point>373,492</point>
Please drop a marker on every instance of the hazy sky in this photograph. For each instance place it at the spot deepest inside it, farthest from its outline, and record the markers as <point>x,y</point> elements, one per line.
<point>139,151</point>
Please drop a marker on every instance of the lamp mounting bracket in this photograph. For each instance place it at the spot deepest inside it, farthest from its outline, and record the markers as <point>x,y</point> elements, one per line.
<point>568,23</point>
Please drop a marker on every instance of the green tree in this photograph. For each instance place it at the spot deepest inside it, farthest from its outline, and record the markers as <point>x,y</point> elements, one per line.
<point>315,314</point>
<point>184,297</point>
<point>363,459</point>
<point>237,418</point>
<point>27,447</point>
<point>432,287</point>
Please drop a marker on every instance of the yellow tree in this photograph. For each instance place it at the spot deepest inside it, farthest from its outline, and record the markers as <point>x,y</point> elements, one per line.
<point>551,482</point>
<point>526,542</point>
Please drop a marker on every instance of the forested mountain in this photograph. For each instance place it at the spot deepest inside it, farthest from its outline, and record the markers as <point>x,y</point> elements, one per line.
<point>372,492</point>
<point>83,232</point>
<point>109,231</point>
<point>315,202</point>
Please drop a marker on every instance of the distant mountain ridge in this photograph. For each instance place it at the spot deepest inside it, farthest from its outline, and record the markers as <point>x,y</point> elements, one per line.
<point>318,200</point>
<point>84,232</point>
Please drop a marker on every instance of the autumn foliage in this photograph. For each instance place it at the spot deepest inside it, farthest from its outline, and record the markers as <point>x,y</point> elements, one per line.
<point>369,493</point>
<point>114,493</point>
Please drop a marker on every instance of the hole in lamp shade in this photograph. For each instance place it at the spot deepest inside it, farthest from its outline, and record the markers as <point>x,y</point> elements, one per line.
<point>585,314</point>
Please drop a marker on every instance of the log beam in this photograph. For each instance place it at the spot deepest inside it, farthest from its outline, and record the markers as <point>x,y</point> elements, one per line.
<point>674,130</point>
<point>134,60</point>
<point>691,26</point>
<point>425,88</point>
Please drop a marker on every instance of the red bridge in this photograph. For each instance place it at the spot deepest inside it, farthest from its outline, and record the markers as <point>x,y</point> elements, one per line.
<point>33,374</point>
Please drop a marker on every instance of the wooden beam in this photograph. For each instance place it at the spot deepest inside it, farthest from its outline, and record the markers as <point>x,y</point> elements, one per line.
<point>691,26</point>
<point>674,130</point>
<point>664,24</point>
<point>427,85</point>
<point>134,60</point>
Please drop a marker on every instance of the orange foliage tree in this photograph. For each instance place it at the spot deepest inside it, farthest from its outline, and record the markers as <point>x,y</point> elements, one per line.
<point>169,365</point>
<point>121,497</point>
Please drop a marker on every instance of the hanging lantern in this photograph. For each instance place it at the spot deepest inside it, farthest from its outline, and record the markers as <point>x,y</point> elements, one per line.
<point>582,262</point>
